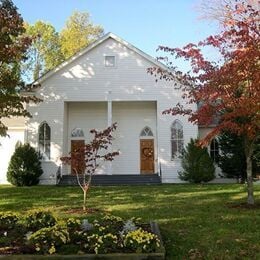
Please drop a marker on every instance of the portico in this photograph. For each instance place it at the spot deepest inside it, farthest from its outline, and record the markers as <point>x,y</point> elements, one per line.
<point>135,137</point>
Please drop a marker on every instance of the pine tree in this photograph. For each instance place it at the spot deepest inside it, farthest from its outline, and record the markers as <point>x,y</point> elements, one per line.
<point>232,160</point>
<point>24,167</point>
<point>197,165</point>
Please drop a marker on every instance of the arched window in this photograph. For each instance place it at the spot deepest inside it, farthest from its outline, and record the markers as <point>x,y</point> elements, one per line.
<point>214,150</point>
<point>176,138</point>
<point>146,132</point>
<point>77,132</point>
<point>45,141</point>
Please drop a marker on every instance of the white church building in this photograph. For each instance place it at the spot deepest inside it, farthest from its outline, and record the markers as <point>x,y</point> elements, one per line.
<point>104,83</point>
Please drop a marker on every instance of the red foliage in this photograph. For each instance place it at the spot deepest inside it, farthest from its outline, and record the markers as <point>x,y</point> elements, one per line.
<point>87,159</point>
<point>228,90</point>
<point>13,48</point>
<point>94,152</point>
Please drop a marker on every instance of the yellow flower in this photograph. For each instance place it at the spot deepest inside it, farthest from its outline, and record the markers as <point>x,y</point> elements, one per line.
<point>52,250</point>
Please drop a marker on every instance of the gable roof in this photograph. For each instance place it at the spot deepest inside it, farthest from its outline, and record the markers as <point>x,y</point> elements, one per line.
<point>91,47</point>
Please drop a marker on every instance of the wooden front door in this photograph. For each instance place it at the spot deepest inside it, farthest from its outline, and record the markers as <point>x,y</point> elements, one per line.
<point>147,156</point>
<point>77,156</point>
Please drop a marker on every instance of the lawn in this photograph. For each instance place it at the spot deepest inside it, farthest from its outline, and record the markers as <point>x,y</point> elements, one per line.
<point>196,221</point>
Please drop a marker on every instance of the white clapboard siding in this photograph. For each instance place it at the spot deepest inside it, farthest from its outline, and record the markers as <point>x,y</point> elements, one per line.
<point>77,95</point>
<point>7,147</point>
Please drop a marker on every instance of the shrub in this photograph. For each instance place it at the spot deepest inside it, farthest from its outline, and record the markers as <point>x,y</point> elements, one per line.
<point>38,232</point>
<point>196,163</point>
<point>24,167</point>
<point>36,220</point>
<point>99,244</point>
<point>141,241</point>
<point>47,240</point>
<point>73,224</point>
<point>8,220</point>
<point>107,224</point>
<point>11,230</point>
<point>74,228</point>
<point>110,224</point>
<point>136,220</point>
<point>111,219</point>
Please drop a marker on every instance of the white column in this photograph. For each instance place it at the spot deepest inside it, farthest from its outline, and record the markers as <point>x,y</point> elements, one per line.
<point>109,123</point>
<point>157,136</point>
<point>109,113</point>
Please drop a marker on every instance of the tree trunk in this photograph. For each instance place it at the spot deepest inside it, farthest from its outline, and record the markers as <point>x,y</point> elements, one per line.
<point>250,189</point>
<point>85,200</point>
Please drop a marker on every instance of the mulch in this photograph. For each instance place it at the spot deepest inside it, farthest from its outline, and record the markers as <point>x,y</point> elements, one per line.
<point>16,250</point>
<point>87,211</point>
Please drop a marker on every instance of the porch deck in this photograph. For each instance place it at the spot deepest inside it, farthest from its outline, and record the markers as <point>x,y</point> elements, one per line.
<point>101,180</point>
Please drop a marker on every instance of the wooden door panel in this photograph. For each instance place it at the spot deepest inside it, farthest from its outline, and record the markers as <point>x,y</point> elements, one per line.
<point>147,156</point>
<point>77,156</point>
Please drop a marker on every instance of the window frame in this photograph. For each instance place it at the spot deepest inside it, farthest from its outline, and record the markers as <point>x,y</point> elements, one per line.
<point>177,139</point>
<point>148,133</point>
<point>44,144</point>
<point>214,150</point>
<point>105,63</point>
<point>79,133</point>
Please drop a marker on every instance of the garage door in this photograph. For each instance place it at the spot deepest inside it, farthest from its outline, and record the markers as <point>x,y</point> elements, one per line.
<point>7,147</point>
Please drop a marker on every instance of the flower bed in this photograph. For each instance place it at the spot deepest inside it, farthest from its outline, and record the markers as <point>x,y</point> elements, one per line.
<point>110,237</point>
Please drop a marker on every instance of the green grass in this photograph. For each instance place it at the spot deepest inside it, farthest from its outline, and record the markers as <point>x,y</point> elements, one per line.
<point>195,221</point>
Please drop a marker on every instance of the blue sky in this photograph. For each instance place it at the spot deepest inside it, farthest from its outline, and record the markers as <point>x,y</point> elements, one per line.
<point>144,23</point>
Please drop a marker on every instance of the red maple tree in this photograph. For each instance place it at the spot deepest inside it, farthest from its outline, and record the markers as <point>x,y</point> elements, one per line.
<point>227,89</point>
<point>13,47</point>
<point>87,159</point>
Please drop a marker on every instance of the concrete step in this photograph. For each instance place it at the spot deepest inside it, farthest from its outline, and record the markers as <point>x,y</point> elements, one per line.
<point>71,180</point>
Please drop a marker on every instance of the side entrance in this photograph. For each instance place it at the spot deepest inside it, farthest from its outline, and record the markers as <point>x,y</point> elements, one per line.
<point>77,157</point>
<point>147,156</point>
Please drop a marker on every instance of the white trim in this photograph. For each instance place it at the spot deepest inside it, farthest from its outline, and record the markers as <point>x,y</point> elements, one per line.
<point>16,128</point>
<point>109,113</point>
<point>176,155</point>
<point>92,46</point>
<point>143,130</point>
<point>109,123</point>
<point>45,160</point>
<point>77,136</point>
<point>158,160</point>
<point>115,63</point>
<point>38,141</point>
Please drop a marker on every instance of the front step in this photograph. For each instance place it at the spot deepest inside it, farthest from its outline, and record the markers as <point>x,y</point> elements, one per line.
<point>71,180</point>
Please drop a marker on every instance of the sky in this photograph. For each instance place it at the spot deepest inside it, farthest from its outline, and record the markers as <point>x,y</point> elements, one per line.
<point>144,23</point>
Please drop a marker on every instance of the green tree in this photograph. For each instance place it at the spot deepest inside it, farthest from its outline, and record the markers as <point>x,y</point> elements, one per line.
<point>78,33</point>
<point>45,51</point>
<point>25,167</point>
<point>232,160</point>
<point>13,47</point>
<point>196,163</point>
